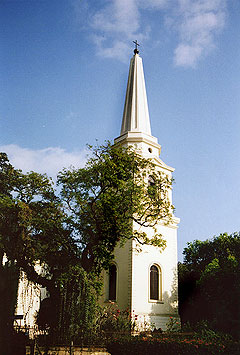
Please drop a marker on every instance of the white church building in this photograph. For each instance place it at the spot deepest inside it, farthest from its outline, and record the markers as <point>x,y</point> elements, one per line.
<point>144,282</point>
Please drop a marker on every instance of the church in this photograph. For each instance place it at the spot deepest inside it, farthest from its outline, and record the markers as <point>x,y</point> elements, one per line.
<point>143,282</point>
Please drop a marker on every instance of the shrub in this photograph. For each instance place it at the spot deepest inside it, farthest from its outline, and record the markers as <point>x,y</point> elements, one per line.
<point>169,346</point>
<point>173,325</point>
<point>112,319</point>
<point>204,331</point>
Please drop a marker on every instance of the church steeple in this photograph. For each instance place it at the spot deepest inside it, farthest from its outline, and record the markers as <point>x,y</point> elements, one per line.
<point>136,115</point>
<point>144,279</point>
<point>136,129</point>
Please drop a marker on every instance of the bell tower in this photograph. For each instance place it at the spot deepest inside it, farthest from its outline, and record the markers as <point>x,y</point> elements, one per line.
<point>144,282</point>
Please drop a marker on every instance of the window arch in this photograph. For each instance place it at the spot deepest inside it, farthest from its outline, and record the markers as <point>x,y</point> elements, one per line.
<point>155,283</point>
<point>112,285</point>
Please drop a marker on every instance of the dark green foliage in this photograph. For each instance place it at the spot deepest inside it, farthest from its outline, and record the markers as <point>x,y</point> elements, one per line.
<point>31,224</point>
<point>209,282</point>
<point>79,293</point>
<point>168,345</point>
<point>71,311</point>
<point>107,196</point>
<point>9,274</point>
<point>31,229</point>
<point>13,343</point>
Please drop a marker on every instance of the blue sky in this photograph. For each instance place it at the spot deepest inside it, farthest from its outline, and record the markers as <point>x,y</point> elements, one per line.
<point>64,67</point>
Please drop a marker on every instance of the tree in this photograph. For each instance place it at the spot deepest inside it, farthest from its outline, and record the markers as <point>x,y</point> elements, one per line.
<point>107,197</point>
<point>31,230</point>
<point>32,224</point>
<point>74,234</point>
<point>209,280</point>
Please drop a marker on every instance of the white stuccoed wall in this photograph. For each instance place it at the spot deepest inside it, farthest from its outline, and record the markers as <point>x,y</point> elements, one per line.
<point>29,298</point>
<point>133,273</point>
<point>157,312</point>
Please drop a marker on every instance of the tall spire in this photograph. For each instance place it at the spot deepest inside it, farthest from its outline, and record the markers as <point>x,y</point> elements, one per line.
<point>136,129</point>
<point>136,115</point>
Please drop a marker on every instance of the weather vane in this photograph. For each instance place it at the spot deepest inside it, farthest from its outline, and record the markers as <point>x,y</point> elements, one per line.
<point>136,51</point>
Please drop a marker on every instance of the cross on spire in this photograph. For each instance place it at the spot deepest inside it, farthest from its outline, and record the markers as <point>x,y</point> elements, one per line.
<point>136,51</point>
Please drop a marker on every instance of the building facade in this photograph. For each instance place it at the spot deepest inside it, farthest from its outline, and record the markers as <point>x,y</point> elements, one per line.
<point>144,282</point>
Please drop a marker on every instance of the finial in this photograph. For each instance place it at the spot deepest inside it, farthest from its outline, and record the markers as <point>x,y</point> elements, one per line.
<point>136,51</point>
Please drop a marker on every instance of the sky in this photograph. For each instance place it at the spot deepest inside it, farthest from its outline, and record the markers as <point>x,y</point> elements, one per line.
<point>63,75</point>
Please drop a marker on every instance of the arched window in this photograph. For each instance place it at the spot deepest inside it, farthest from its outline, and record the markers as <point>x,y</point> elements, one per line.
<point>155,283</point>
<point>112,283</point>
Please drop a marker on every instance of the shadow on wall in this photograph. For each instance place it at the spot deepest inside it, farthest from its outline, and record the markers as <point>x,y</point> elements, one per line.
<point>168,307</point>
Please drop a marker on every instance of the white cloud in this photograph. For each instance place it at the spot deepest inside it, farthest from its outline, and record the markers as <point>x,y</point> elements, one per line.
<point>49,160</point>
<point>155,4</point>
<point>118,49</point>
<point>117,22</point>
<point>186,55</point>
<point>198,23</point>
<point>119,16</point>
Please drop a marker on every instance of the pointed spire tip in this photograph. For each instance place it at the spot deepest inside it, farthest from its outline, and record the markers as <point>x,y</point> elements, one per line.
<point>136,51</point>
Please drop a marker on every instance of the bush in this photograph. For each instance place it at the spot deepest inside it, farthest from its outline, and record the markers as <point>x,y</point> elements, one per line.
<point>169,346</point>
<point>204,331</point>
<point>112,319</point>
<point>173,325</point>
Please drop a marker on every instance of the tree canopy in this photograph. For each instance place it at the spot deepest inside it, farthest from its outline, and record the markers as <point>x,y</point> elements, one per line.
<point>209,280</point>
<point>32,223</point>
<point>105,198</point>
